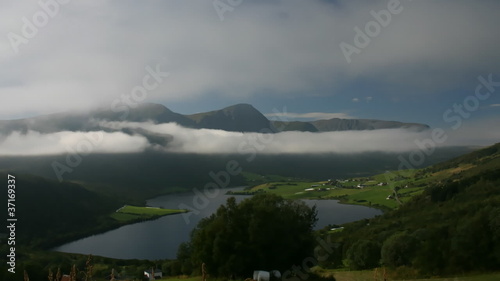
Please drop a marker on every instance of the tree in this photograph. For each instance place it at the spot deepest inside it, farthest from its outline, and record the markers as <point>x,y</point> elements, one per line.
<point>265,231</point>
<point>184,258</point>
<point>398,250</point>
<point>363,254</point>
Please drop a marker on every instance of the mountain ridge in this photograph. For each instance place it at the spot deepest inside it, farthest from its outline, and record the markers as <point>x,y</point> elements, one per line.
<point>237,118</point>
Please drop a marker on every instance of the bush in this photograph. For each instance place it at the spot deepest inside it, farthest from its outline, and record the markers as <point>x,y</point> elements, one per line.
<point>363,254</point>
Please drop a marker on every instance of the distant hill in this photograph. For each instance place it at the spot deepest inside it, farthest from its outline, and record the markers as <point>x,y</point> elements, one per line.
<point>294,126</point>
<point>236,118</point>
<point>337,124</point>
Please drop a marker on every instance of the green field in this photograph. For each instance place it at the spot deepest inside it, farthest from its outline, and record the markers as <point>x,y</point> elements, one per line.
<point>131,213</point>
<point>369,195</point>
<point>359,191</point>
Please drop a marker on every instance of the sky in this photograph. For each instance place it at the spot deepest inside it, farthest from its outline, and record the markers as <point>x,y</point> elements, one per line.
<point>432,62</point>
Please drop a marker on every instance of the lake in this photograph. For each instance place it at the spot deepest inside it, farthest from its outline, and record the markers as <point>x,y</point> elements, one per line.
<point>159,239</point>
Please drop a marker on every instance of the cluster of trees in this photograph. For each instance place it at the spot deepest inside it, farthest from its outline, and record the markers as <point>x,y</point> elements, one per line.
<point>264,232</point>
<point>451,228</point>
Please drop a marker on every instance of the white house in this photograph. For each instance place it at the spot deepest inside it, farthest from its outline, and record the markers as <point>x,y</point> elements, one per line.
<point>260,275</point>
<point>152,274</point>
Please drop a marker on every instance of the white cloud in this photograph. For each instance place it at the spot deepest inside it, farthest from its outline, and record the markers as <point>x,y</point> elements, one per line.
<point>35,143</point>
<point>93,51</point>
<point>355,100</point>
<point>207,141</point>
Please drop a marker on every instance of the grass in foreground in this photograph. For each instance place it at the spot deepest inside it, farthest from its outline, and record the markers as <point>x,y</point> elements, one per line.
<point>369,275</point>
<point>183,278</point>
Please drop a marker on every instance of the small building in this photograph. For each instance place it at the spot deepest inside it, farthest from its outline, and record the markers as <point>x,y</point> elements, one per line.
<point>261,275</point>
<point>336,228</point>
<point>152,274</point>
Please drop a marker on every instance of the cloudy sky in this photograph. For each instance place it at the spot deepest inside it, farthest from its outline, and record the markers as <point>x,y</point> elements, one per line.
<point>416,66</point>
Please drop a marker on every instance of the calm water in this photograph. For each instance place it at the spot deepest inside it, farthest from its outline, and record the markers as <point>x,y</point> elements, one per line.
<point>159,239</point>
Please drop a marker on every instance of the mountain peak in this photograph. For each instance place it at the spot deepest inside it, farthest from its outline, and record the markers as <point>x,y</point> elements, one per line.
<point>239,117</point>
<point>240,106</point>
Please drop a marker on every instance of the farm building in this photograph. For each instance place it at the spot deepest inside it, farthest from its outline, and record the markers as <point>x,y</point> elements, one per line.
<point>260,275</point>
<point>152,274</point>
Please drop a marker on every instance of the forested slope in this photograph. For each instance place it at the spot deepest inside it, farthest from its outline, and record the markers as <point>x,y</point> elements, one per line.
<point>452,227</point>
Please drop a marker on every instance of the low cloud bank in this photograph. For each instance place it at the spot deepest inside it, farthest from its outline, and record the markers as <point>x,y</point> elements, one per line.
<point>35,143</point>
<point>206,141</point>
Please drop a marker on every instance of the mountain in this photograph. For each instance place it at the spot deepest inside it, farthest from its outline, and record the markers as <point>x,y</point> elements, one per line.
<point>145,112</point>
<point>240,117</point>
<point>294,126</point>
<point>337,124</point>
<point>87,121</point>
<point>236,118</point>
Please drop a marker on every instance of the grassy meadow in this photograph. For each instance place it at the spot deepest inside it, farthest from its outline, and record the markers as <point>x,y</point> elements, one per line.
<point>358,191</point>
<point>130,213</point>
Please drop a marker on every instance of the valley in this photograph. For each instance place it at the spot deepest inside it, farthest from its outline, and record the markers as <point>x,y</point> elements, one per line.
<point>376,191</point>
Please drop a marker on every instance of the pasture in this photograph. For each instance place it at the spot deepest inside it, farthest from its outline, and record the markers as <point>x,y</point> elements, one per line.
<point>131,213</point>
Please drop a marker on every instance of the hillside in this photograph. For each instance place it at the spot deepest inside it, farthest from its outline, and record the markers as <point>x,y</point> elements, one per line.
<point>50,212</point>
<point>451,227</point>
<point>387,190</point>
